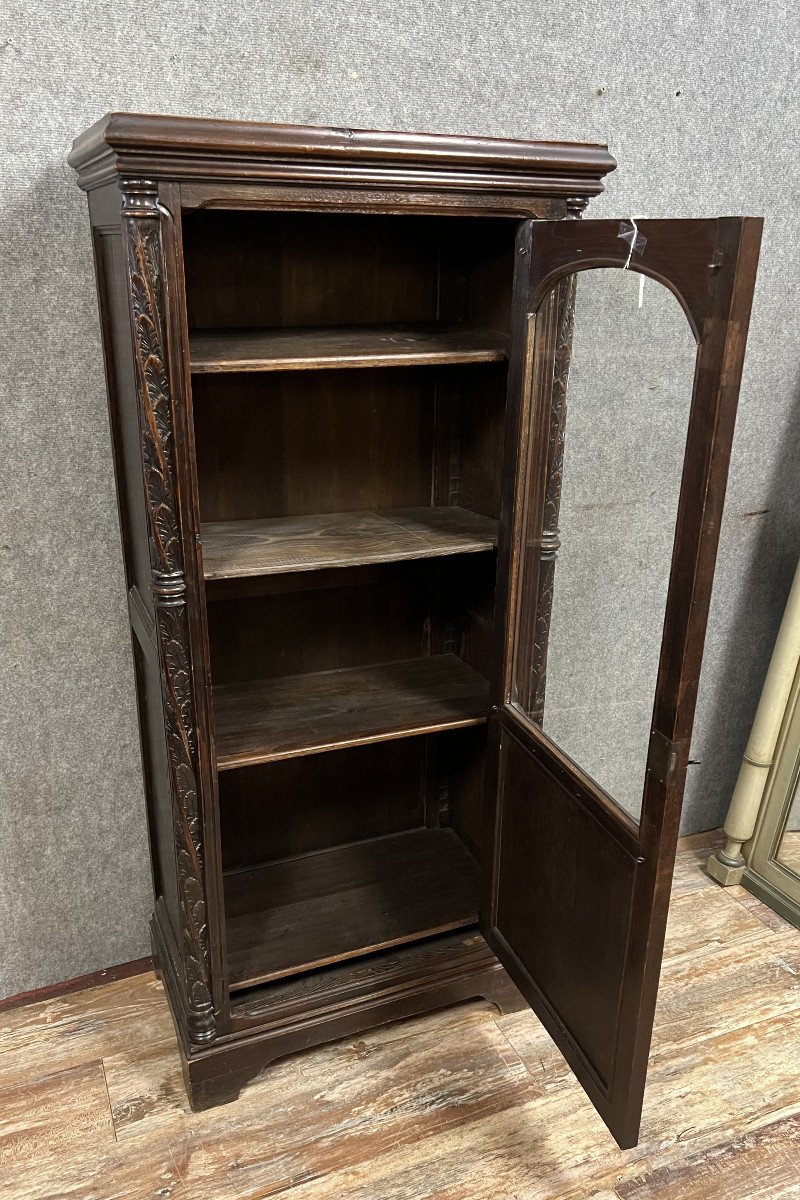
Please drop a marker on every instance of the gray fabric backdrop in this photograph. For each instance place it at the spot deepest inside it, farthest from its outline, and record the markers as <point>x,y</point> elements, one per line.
<point>698,102</point>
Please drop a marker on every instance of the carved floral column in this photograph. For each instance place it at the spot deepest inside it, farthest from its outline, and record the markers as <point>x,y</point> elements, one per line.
<point>551,542</point>
<point>142,221</point>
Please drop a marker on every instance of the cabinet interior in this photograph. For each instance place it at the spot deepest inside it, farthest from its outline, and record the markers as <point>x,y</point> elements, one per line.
<point>348,394</point>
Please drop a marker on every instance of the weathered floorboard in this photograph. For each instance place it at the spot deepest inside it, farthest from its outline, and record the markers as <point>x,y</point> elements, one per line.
<point>459,1105</point>
<point>761,1165</point>
<point>74,1029</point>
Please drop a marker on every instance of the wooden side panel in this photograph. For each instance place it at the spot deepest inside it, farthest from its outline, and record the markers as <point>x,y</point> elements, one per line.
<point>463,764</point>
<point>112,284</point>
<point>111,270</point>
<point>156,781</point>
<point>480,430</point>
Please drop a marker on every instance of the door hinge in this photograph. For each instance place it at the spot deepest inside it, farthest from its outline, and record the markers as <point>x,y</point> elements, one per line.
<point>662,758</point>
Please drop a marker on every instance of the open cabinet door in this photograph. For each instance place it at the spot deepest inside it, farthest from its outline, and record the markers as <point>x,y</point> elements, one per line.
<point>576,906</point>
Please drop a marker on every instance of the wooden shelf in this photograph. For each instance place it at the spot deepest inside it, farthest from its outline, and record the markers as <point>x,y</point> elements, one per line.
<point>301,913</point>
<point>238,549</point>
<point>217,350</point>
<point>272,719</point>
<point>394,970</point>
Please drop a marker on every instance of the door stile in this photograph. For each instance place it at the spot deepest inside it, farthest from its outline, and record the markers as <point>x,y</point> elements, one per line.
<point>515,449</point>
<point>709,442</point>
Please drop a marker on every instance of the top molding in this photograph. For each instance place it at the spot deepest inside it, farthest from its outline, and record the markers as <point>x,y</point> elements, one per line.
<point>136,146</point>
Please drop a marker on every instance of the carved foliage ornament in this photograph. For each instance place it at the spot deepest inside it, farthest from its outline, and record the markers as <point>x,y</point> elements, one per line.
<point>565,323</point>
<point>157,428</point>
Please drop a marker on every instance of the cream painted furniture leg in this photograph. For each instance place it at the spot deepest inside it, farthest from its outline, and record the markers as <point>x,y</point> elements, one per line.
<point>727,865</point>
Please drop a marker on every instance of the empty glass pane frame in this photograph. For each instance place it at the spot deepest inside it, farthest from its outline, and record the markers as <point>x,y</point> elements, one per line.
<point>595,561</point>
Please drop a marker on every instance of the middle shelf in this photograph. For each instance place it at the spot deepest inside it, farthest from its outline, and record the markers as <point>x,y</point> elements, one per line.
<point>275,545</point>
<point>215,351</point>
<point>270,719</point>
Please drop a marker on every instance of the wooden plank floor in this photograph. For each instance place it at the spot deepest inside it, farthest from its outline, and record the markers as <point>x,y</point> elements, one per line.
<point>465,1104</point>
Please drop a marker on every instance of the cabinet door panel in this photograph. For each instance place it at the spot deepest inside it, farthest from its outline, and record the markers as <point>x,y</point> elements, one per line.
<point>579,893</point>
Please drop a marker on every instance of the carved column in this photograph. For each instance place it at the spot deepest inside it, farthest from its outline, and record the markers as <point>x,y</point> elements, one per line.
<point>551,543</point>
<point>147,292</point>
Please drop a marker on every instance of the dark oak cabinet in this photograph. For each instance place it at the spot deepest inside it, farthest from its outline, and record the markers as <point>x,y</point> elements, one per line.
<point>337,365</point>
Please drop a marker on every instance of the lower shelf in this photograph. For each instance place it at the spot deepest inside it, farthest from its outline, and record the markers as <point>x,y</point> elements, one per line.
<point>298,914</point>
<point>434,962</point>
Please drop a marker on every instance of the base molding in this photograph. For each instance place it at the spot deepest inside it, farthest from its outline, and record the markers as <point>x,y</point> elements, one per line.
<point>772,896</point>
<point>348,1000</point>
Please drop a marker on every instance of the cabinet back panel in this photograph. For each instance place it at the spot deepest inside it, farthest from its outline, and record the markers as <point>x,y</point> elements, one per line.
<point>288,444</point>
<point>387,613</point>
<point>462,763</point>
<point>284,269</point>
<point>383,618</point>
<point>482,424</point>
<point>296,443</point>
<point>313,803</point>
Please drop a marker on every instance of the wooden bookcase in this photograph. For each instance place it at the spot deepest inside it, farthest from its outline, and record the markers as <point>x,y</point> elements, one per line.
<point>336,365</point>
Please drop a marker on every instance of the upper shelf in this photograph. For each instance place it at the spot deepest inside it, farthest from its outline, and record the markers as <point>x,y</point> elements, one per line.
<point>275,545</point>
<point>304,348</point>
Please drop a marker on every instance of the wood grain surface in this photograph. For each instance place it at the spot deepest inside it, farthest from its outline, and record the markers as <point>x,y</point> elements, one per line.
<point>321,908</point>
<point>235,549</point>
<point>465,1104</point>
<point>272,719</point>
<point>191,147</point>
<point>302,348</point>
